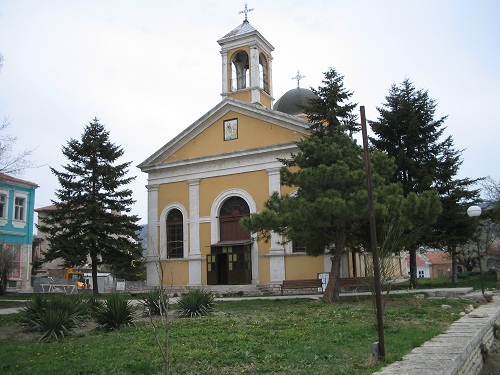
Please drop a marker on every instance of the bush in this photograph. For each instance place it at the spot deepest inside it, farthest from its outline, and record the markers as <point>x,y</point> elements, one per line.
<point>53,316</point>
<point>114,312</point>
<point>155,301</point>
<point>196,302</point>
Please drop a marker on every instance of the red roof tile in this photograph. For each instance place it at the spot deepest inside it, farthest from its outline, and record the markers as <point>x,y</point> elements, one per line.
<point>16,180</point>
<point>46,208</point>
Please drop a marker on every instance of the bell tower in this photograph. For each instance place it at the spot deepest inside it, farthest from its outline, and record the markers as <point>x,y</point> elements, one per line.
<point>246,65</point>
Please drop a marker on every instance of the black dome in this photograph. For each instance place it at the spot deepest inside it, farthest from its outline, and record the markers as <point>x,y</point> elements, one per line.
<point>292,100</point>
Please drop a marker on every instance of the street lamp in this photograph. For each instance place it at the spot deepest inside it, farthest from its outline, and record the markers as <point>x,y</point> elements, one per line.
<point>475,211</point>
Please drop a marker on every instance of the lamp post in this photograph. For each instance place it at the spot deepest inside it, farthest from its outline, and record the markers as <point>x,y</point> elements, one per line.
<point>475,211</point>
<point>380,346</point>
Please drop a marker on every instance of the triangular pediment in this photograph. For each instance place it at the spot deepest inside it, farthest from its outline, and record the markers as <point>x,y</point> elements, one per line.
<point>257,128</point>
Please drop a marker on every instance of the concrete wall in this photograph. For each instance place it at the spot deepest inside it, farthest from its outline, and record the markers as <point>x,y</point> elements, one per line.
<point>458,351</point>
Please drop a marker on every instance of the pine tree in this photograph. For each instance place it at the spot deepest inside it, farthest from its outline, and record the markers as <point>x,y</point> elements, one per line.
<point>331,110</point>
<point>408,131</point>
<point>92,219</point>
<point>329,211</point>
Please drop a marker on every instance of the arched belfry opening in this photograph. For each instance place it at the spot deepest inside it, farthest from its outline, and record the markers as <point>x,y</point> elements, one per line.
<point>264,73</point>
<point>230,260</point>
<point>240,71</point>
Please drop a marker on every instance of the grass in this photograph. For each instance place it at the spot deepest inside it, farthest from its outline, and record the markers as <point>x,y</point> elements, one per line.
<point>252,336</point>
<point>466,279</point>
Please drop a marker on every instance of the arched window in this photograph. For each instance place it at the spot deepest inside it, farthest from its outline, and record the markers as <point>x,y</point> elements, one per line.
<point>232,210</point>
<point>175,236</point>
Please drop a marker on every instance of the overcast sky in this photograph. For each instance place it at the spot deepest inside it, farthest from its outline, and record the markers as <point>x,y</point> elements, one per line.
<point>150,68</point>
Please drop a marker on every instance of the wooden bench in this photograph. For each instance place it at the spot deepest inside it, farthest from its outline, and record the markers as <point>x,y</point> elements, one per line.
<point>352,283</point>
<point>302,284</point>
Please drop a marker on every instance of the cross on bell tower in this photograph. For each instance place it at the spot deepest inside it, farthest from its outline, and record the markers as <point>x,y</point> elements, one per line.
<point>245,12</point>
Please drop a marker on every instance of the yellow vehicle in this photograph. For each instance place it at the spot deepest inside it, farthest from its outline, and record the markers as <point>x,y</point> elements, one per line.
<point>76,277</point>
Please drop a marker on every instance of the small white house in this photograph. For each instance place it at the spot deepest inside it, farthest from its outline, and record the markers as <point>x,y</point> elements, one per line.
<point>104,281</point>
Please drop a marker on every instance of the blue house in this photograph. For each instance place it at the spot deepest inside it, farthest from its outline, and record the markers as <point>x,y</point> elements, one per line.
<point>17,204</point>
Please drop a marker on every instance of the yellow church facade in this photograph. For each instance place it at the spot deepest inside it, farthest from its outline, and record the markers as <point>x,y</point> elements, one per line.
<point>221,168</point>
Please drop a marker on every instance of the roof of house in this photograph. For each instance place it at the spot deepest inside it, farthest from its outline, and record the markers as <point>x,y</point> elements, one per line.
<point>438,258</point>
<point>52,207</point>
<point>16,180</point>
<point>432,258</point>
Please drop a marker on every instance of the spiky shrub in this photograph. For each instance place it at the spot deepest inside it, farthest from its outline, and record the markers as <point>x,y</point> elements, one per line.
<point>196,302</point>
<point>53,316</point>
<point>114,312</point>
<point>155,301</point>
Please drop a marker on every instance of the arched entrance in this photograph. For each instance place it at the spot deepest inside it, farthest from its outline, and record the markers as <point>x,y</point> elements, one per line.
<point>229,262</point>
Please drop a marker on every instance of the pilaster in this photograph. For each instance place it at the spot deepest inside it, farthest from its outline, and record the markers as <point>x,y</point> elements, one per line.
<point>276,251</point>
<point>194,233</point>
<point>226,86</point>
<point>153,251</point>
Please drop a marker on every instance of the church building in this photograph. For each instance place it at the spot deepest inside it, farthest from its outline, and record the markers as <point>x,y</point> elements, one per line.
<point>224,167</point>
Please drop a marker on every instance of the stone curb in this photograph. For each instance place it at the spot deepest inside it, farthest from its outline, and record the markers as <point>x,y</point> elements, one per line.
<point>458,351</point>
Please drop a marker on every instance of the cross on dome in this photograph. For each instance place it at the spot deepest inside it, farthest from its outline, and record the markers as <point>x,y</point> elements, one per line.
<point>245,12</point>
<point>298,77</point>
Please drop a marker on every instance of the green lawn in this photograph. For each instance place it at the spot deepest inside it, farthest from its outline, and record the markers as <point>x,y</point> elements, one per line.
<point>252,336</point>
<point>465,279</point>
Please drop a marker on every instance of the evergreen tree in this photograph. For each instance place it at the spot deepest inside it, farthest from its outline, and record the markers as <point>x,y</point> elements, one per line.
<point>329,211</point>
<point>92,219</point>
<point>408,131</point>
<point>453,227</point>
<point>332,107</point>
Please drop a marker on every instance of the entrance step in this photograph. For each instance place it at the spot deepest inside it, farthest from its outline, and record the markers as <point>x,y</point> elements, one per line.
<point>237,290</point>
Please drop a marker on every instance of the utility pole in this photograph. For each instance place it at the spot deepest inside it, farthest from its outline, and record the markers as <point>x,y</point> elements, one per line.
<point>373,238</point>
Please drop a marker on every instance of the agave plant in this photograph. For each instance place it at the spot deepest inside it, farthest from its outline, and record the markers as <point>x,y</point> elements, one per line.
<point>196,302</point>
<point>155,301</point>
<point>53,316</point>
<point>114,312</point>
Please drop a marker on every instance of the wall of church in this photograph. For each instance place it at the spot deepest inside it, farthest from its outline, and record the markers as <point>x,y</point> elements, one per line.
<point>245,95</point>
<point>173,192</point>
<point>254,183</point>
<point>264,270</point>
<point>175,272</point>
<point>205,239</point>
<point>299,267</point>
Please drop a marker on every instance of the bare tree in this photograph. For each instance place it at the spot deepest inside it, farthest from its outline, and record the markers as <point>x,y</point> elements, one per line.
<point>491,193</point>
<point>12,162</point>
<point>161,322</point>
<point>7,258</point>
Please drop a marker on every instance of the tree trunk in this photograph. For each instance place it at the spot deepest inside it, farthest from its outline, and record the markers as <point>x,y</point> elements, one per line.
<point>454,265</point>
<point>3,285</point>
<point>95,286</point>
<point>413,268</point>
<point>332,290</point>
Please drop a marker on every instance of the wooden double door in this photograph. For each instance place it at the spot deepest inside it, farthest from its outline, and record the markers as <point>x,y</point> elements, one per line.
<point>229,264</point>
